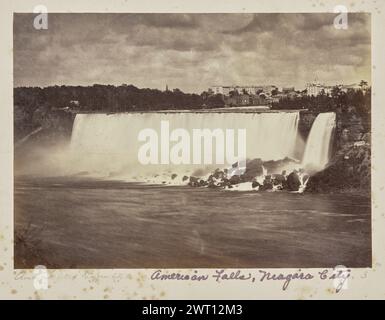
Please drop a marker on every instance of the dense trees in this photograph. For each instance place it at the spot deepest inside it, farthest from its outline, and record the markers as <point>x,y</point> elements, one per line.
<point>337,100</point>
<point>110,98</point>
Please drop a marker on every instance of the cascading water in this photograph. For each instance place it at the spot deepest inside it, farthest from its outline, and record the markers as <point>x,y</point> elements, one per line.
<point>316,154</point>
<point>107,145</point>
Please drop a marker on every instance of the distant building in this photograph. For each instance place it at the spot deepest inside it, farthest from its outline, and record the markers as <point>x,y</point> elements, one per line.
<point>268,89</point>
<point>251,90</point>
<point>256,100</point>
<point>286,90</point>
<point>238,100</point>
<point>314,89</point>
<point>224,90</point>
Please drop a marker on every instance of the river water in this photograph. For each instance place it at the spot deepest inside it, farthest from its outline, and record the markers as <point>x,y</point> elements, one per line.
<point>87,223</point>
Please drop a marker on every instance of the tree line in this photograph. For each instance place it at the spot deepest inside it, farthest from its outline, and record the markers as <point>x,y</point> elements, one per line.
<point>125,98</point>
<point>109,98</point>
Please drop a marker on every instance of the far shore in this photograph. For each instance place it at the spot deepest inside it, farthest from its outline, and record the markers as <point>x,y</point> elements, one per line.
<point>256,109</point>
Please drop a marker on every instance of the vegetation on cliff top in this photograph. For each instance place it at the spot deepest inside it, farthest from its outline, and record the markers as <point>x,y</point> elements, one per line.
<point>109,98</point>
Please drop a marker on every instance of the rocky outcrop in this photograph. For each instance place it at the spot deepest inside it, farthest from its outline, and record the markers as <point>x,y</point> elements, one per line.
<point>349,171</point>
<point>275,166</point>
<point>254,174</point>
<point>254,168</point>
<point>306,119</point>
<point>293,182</point>
<point>349,167</point>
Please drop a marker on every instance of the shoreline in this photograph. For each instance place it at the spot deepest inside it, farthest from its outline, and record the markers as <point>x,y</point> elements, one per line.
<point>83,181</point>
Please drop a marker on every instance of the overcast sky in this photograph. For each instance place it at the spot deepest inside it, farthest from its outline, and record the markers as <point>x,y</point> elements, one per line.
<point>190,51</point>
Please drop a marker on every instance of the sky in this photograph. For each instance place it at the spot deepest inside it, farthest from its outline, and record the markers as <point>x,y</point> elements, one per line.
<point>191,51</point>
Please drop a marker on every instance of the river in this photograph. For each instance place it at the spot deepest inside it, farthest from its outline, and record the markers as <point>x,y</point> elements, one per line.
<point>88,223</point>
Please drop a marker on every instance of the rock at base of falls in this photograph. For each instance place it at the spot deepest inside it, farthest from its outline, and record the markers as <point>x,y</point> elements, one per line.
<point>258,175</point>
<point>293,181</point>
<point>348,171</point>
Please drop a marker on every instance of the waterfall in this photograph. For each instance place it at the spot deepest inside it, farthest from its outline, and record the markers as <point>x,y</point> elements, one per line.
<point>107,144</point>
<point>317,149</point>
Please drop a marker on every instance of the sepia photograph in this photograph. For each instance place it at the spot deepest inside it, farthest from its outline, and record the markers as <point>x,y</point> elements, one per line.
<point>192,140</point>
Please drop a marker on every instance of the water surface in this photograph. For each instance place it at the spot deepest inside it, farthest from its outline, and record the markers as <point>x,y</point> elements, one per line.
<point>78,223</point>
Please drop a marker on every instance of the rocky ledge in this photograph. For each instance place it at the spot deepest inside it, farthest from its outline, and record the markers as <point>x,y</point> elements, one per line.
<point>259,175</point>
<point>348,171</point>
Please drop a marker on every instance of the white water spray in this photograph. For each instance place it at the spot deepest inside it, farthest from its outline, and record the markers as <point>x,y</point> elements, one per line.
<point>317,149</point>
<point>107,145</point>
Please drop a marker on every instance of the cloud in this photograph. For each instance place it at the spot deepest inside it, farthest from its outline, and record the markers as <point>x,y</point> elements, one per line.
<point>167,20</point>
<point>190,51</point>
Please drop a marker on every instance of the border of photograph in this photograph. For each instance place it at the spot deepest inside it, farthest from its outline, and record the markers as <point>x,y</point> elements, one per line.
<point>363,283</point>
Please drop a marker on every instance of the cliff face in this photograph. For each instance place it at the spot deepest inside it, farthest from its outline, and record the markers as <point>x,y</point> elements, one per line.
<point>306,119</point>
<point>54,124</point>
<point>349,168</point>
<point>348,171</point>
